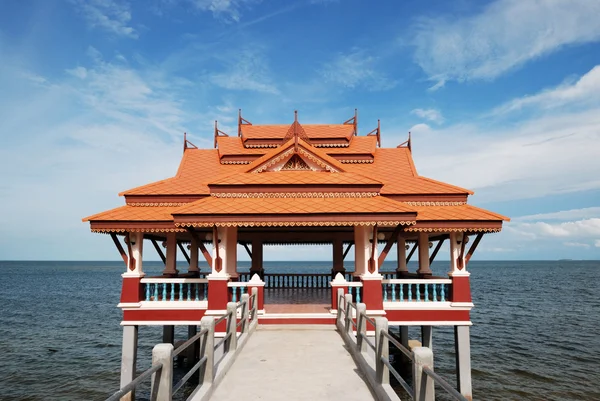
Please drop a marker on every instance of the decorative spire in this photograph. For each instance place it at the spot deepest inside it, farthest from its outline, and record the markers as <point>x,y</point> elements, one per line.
<point>187,144</point>
<point>241,121</point>
<point>406,143</point>
<point>218,133</point>
<point>353,121</point>
<point>295,132</point>
<point>377,133</point>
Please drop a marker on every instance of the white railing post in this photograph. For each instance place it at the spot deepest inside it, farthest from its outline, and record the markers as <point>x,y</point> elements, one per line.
<point>162,381</point>
<point>231,342</point>
<point>361,327</point>
<point>348,298</point>
<point>340,297</point>
<point>382,350</point>
<point>207,348</point>
<point>423,385</point>
<point>255,303</point>
<point>245,312</point>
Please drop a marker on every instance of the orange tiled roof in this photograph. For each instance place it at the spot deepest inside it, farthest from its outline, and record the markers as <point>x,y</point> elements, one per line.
<point>459,212</point>
<point>134,213</point>
<point>394,167</point>
<point>358,145</point>
<point>214,205</point>
<point>317,131</point>
<point>294,178</point>
<point>232,145</point>
<point>311,149</point>
<point>197,168</point>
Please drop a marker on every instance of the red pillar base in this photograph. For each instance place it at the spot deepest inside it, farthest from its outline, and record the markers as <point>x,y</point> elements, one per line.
<point>372,292</point>
<point>461,289</point>
<point>131,291</point>
<point>218,293</point>
<point>334,296</point>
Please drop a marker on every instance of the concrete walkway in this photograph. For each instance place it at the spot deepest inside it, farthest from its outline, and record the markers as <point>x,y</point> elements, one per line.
<point>293,363</point>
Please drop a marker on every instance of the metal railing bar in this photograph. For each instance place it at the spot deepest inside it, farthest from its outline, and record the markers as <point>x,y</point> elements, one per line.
<point>240,305</point>
<point>189,342</point>
<point>189,374</point>
<point>221,319</point>
<point>437,379</point>
<point>238,324</point>
<point>368,341</point>
<point>222,341</point>
<point>134,383</point>
<point>370,320</point>
<point>399,378</point>
<point>354,324</point>
<point>397,344</point>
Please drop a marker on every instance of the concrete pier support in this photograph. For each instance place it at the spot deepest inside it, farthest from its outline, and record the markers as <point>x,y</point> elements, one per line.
<point>462,344</point>
<point>427,336</point>
<point>129,358</point>
<point>193,350</point>
<point>168,334</point>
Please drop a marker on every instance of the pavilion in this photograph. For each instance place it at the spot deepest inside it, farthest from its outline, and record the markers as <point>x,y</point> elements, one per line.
<point>297,184</point>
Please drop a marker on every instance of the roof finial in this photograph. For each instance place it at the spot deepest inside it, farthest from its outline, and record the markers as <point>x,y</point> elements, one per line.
<point>355,121</point>
<point>296,116</point>
<point>184,141</point>
<point>239,122</point>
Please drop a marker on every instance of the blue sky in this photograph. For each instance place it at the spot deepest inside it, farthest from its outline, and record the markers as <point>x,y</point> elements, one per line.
<point>502,97</point>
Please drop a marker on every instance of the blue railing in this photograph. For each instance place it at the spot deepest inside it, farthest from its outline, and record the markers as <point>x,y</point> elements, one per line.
<point>174,289</point>
<point>424,290</point>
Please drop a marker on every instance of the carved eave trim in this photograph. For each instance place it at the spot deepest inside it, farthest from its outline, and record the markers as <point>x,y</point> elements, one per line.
<point>162,200</point>
<point>457,226</point>
<point>295,223</point>
<point>460,197</point>
<point>433,203</point>
<point>236,162</point>
<point>355,161</point>
<point>294,194</point>
<point>134,226</point>
<point>314,189</point>
<point>157,204</point>
<point>317,160</point>
<point>275,160</point>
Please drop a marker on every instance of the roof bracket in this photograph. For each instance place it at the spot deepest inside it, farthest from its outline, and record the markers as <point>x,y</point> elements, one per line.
<point>377,133</point>
<point>406,143</point>
<point>353,121</point>
<point>187,144</point>
<point>218,133</point>
<point>241,121</point>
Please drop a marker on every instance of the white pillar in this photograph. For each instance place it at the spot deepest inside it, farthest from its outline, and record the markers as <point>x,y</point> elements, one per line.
<point>129,358</point>
<point>401,249</point>
<point>456,239</point>
<point>424,254</point>
<point>227,237</point>
<point>136,241</point>
<point>462,344</point>
<point>171,262</point>
<point>362,251</point>
<point>194,251</point>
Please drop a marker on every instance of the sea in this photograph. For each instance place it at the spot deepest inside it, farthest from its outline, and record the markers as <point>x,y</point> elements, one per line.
<point>535,333</point>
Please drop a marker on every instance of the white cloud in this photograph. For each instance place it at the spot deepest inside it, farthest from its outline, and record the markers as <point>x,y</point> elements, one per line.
<point>110,15</point>
<point>227,9</point>
<point>577,245</point>
<point>429,114</point>
<point>585,90</point>
<point>79,72</point>
<point>541,156</point>
<point>504,36</point>
<point>357,69</point>
<point>571,214</point>
<point>597,243</point>
<point>247,70</point>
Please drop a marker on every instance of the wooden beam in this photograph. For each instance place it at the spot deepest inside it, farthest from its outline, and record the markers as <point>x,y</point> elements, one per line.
<point>436,250</point>
<point>347,250</point>
<point>203,249</point>
<point>159,251</point>
<point>373,247</point>
<point>218,261</point>
<point>412,251</point>
<point>389,244</point>
<point>472,248</point>
<point>462,252</point>
<point>131,258</point>
<point>247,249</point>
<point>185,255</point>
<point>119,248</point>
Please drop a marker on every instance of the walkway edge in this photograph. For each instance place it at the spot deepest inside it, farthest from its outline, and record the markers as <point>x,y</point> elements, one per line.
<point>382,392</point>
<point>205,392</point>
